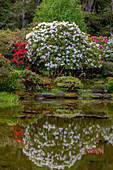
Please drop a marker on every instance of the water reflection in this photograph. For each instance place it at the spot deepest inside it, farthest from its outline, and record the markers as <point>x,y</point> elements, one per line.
<point>59,143</point>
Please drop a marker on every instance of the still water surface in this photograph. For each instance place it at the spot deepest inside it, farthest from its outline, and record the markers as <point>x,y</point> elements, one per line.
<point>43,142</point>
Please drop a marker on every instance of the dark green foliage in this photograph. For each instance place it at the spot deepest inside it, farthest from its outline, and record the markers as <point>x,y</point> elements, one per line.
<point>68,83</point>
<point>11,13</point>
<point>31,80</point>
<point>98,24</point>
<point>107,69</point>
<point>4,12</point>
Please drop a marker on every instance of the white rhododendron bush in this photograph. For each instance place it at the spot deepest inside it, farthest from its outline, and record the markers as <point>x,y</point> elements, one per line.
<point>62,45</point>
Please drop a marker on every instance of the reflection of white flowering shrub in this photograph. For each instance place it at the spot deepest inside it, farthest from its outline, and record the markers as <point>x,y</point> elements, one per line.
<point>60,44</point>
<point>60,146</point>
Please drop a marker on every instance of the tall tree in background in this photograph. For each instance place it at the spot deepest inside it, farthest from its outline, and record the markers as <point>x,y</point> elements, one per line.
<point>111,24</point>
<point>88,6</point>
<point>97,16</point>
<point>17,13</point>
<point>23,15</point>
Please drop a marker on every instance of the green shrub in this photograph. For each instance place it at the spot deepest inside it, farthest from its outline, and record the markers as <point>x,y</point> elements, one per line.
<point>8,76</point>
<point>109,85</point>
<point>31,80</point>
<point>68,83</point>
<point>5,68</point>
<point>107,69</point>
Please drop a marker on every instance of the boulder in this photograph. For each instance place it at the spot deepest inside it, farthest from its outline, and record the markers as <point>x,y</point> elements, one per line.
<point>39,95</point>
<point>100,88</point>
<point>60,94</point>
<point>71,96</point>
<point>49,95</point>
<point>97,96</point>
<point>107,96</point>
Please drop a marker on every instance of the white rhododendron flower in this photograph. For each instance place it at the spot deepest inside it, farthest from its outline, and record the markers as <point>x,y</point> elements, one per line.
<point>59,44</point>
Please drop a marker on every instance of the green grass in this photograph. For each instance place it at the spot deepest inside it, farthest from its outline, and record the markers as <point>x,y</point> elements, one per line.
<point>8,97</point>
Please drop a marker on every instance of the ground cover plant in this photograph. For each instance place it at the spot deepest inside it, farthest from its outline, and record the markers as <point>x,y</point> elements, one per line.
<point>8,97</point>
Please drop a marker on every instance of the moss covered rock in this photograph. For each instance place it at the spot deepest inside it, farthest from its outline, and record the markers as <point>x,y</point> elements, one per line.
<point>68,83</point>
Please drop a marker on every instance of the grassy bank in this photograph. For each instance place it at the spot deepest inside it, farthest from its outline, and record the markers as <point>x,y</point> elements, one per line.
<point>4,96</point>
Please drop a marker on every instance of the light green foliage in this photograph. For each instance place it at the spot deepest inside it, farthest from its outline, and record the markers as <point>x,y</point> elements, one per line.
<point>68,83</point>
<point>8,97</point>
<point>31,80</point>
<point>4,40</point>
<point>60,44</point>
<point>60,10</point>
<point>109,85</point>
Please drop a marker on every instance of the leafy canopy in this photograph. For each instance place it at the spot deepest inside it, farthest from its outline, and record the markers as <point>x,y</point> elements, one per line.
<point>60,10</point>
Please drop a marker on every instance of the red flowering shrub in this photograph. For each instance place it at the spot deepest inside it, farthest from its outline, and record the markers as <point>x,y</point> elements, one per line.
<point>20,58</point>
<point>101,40</point>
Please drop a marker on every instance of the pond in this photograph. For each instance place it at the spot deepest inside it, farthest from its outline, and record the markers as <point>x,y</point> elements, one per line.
<point>48,135</point>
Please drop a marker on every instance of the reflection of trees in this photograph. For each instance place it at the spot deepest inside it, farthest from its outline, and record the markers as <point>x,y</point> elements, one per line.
<point>59,143</point>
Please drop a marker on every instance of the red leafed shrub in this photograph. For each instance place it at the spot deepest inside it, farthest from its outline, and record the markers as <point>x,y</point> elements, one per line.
<point>47,82</point>
<point>20,59</point>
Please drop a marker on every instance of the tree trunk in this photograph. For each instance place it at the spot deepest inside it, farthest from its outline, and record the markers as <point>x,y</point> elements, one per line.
<point>49,73</point>
<point>89,6</point>
<point>23,15</point>
<point>86,8</point>
<point>93,6</point>
<point>39,1</point>
<point>61,71</point>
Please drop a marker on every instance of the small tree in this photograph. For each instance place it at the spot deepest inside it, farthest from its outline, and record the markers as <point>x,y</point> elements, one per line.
<point>60,10</point>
